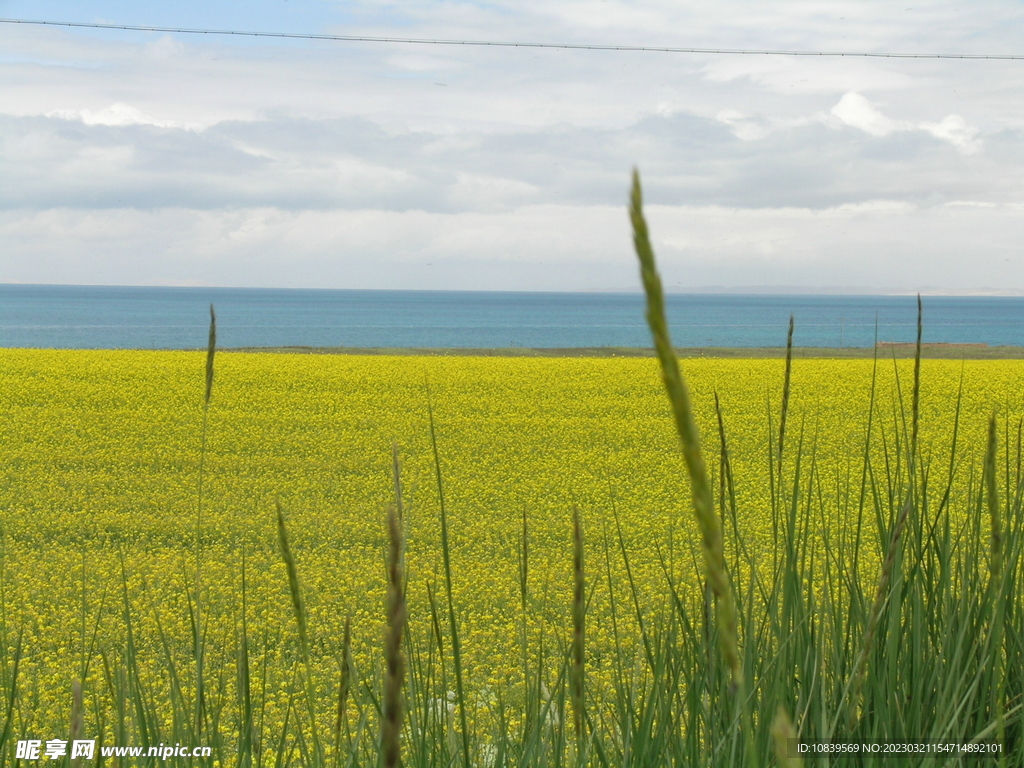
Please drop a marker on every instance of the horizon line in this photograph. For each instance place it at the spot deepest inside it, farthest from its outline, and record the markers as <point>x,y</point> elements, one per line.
<point>718,290</point>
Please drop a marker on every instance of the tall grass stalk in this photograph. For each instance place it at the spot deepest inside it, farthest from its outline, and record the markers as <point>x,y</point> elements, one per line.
<point>211,348</point>
<point>460,691</point>
<point>299,608</point>
<point>784,735</point>
<point>996,582</point>
<point>713,541</point>
<point>578,613</point>
<point>786,389</point>
<point>77,729</point>
<point>245,708</point>
<point>12,695</point>
<point>894,549</point>
<point>344,689</point>
<point>394,663</point>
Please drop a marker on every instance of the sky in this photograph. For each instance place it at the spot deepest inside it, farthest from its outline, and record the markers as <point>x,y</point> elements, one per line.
<point>134,158</point>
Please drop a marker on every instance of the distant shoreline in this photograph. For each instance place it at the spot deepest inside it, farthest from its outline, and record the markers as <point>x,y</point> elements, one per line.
<point>800,291</point>
<point>884,351</point>
<point>551,323</point>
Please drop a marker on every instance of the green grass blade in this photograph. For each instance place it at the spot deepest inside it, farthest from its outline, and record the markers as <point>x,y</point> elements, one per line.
<point>299,608</point>
<point>446,555</point>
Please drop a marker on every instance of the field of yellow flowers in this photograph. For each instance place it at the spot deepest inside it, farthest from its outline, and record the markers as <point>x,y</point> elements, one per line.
<point>99,492</point>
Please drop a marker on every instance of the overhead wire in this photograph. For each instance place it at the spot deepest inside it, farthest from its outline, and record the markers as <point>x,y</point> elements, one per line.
<point>513,44</point>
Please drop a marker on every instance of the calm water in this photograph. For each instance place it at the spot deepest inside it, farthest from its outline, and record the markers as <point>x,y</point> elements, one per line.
<point>175,318</point>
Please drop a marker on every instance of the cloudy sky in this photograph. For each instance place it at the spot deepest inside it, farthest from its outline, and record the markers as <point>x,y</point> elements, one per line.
<point>171,159</point>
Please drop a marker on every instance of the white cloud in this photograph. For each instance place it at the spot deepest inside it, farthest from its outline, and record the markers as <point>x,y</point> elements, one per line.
<point>856,111</point>
<point>165,47</point>
<point>744,127</point>
<point>419,62</point>
<point>474,192</point>
<point>955,130</point>
<point>971,204</point>
<point>119,115</point>
<point>809,76</point>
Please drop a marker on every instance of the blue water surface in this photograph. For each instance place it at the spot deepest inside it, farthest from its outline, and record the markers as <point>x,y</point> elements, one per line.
<point>119,317</point>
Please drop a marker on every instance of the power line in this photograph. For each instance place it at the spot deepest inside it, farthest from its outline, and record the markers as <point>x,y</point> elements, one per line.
<point>510,44</point>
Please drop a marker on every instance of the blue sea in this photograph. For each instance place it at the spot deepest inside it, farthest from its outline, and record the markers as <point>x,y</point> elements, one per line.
<point>105,317</point>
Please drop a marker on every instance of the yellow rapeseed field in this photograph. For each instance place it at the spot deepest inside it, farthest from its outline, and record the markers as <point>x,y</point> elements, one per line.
<point>100,474</point>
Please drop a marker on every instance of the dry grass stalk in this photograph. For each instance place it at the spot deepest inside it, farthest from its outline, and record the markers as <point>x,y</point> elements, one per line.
<point>211,349</point>
<point>992,499</point>
<point>578,610</point>
<point>211,346</point>
<point>344,686</point>
<point>77,718</point>
<point>785,394</point>
<point>783,735</point>
<point>394,663</point>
